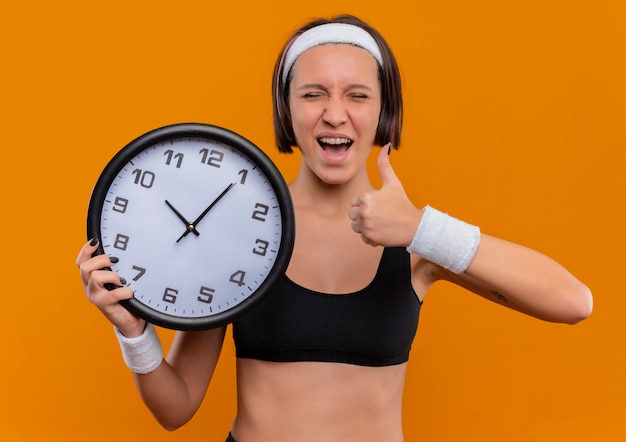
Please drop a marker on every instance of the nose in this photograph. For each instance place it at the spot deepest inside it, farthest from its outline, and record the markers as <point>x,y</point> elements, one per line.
<point>335,112</point>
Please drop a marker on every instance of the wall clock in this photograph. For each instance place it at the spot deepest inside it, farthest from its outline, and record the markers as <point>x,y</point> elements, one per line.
<point>201,220</point>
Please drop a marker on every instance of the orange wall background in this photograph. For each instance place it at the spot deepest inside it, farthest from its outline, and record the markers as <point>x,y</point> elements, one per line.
<point>515,121</point>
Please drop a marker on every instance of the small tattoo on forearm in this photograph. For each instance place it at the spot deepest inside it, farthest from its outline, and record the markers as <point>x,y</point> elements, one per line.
<point>499,295</point>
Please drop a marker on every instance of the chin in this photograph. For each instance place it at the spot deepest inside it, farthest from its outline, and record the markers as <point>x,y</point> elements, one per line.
<point>335,178</point>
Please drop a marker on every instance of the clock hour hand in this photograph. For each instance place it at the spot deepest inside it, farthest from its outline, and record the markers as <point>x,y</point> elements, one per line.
<point>192,226</point>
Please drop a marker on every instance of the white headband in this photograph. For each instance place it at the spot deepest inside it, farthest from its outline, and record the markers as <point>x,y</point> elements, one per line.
<point>330,33</point>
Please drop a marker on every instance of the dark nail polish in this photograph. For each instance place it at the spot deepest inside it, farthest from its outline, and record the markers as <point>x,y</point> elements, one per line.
<point>93,241</point>
<point>122,281</point>
<point>114,259</point>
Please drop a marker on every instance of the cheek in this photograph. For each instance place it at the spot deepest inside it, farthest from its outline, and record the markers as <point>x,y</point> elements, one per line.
<point>369,122</point>
<point>297,126</point>
<point>302,121</point>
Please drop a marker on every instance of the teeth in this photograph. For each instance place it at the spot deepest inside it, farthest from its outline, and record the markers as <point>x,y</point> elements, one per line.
<point>335,141</point>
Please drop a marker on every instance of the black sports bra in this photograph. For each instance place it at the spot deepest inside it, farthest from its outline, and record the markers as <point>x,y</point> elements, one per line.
<point>372,327</point>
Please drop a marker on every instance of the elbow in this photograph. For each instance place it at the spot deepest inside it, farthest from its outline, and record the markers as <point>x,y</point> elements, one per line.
<point>580,304</point>
<point>171,426</point>
<point>171,423</point>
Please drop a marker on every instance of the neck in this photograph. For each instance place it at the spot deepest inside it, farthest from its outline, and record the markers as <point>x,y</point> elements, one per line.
<point>309,190</point>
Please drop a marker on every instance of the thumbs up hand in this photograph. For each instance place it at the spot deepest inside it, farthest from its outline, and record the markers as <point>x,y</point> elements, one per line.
<point>385,217</point>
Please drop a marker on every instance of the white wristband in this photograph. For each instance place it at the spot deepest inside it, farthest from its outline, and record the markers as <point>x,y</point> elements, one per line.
<point>142,354</point>
<point>445,240</point>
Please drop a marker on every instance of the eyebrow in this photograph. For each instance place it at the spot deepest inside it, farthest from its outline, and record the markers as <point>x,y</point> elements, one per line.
<point>320,86</point>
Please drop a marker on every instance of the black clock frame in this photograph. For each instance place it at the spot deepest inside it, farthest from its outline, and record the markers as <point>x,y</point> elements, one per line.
<point>247,148</point>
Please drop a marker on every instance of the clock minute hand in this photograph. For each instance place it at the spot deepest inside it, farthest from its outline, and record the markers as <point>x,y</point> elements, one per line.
<point>189,225</point>
<point>203,214</point>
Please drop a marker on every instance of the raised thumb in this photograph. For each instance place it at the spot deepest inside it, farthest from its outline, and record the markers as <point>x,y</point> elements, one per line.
<point>387,174</point>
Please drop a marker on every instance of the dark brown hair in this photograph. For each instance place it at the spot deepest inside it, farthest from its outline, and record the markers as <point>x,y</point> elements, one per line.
<point>390,119</point>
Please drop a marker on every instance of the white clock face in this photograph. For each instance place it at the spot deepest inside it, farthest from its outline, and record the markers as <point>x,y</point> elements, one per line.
<point>196,225</point>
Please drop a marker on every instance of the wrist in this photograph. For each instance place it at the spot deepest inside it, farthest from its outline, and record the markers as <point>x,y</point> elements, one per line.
<point>143,353</point>
<point>444,240</point>
<point>134,330</point>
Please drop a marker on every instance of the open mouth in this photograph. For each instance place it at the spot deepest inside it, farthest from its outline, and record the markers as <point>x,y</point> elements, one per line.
<point>334,146</point>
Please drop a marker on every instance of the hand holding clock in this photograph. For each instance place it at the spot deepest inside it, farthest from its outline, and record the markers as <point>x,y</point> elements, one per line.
<point>95,281</point>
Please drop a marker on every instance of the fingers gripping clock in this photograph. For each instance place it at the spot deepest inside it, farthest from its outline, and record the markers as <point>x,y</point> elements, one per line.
<point>205,181</point>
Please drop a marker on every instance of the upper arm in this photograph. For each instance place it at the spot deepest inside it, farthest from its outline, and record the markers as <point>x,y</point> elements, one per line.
<point>194,355</point>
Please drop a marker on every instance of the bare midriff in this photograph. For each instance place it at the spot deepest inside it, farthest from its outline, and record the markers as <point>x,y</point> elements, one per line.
<point>318,401</point>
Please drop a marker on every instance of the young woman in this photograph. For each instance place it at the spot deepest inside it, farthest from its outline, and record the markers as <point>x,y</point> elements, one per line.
<point>324,357</point>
